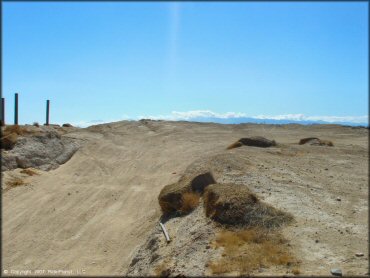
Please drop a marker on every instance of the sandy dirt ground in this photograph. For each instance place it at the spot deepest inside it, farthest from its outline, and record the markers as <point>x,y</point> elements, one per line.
<point>89,215</point>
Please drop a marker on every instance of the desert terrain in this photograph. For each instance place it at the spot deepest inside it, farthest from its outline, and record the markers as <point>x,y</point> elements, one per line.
<point>96,213</point>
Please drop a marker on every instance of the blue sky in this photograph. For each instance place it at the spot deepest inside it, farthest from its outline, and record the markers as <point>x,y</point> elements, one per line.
<point>101,62</point>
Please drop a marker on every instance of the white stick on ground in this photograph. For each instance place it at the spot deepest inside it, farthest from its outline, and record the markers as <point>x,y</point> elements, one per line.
<point>165,232</point>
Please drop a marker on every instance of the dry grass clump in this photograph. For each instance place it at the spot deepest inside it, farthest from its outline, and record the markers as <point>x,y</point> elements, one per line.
<point>8,141</point>
<point>170,197</point>
<point>182,203</point>
<point>15,182</point>
<point>190,200</point>
<point>237,144</point>
<point>14,129</point>
<point>296,271</point>
<point>236,205</point>
<point>248,250</point>
<point>162,270</point>
<point>29,172</point>
<point>327,143</point>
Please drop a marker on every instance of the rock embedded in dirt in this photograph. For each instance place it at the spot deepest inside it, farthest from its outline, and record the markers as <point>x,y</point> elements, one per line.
<point>44,150</point>
<point>359,254</point>
<point>315,142</point>
<point>256,141</point>
<point>171,196</point>
<point>336,272</point>
<point>235,204</point>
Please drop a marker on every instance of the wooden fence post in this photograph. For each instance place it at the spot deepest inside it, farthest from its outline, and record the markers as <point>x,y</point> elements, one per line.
<point>2,111</point>
<point>47,111</point>
<point>16,109</point>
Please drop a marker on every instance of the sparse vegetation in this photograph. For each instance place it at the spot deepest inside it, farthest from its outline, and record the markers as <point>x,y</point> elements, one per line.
<point>327,143</point>
<point>15,182</point>
<point>8,141</point>
<point>162,270</point>
<point>247,250</point>
<point>36,124</point>
<point>187,202</point>
<point>29,172</point>
<point>190,200</point>
<point>13,129</point>
<point>296,271</point>
<point>66,125</point>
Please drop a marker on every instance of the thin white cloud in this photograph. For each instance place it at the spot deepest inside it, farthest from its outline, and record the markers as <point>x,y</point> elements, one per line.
<point>194,114</point>
<point>329,119</point>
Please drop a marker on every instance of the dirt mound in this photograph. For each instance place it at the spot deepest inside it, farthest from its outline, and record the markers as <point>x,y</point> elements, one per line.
<point>316,141</point>
<point>256,141</point>
<point>235,204</point>
<point>171,198</point>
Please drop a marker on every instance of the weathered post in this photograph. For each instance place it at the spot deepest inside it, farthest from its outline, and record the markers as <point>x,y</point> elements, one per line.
<point>16,109</point>
<point>47,111</point>
<point>2,111</point>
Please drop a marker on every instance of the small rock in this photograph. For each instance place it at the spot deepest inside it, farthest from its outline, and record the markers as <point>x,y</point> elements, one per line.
<point>336,272</point>
<point>359,254</point>
<point>339,199</point>
<point>69,193</point>
<point>326,169</point>
<point>316,240</point>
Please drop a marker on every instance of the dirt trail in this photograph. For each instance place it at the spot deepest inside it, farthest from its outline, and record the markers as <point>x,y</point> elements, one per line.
<point>92,212</point>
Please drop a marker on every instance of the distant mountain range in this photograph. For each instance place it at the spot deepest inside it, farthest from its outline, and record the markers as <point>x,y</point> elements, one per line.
<point>240,120</point>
